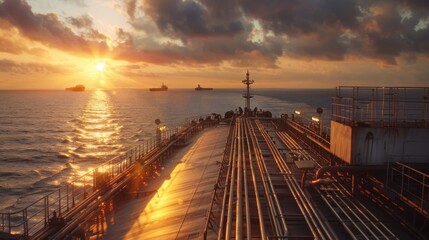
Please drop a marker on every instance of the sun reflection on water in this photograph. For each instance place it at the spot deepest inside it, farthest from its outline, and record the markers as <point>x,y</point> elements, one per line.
<point>96,131</point>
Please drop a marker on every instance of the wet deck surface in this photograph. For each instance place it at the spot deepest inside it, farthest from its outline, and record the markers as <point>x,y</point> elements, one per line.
<point>182,194</point>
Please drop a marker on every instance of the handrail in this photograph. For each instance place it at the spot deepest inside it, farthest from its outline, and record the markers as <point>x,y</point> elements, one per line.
<point>382,106</point>
<point>310,132</point>
<point>411,185</point>
<point>219,177</point>
<point>29,220</point>
<point>412,169</point>
<point>121,180</point>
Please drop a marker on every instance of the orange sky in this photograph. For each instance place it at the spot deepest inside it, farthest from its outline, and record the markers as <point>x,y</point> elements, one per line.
<point>48,44</point>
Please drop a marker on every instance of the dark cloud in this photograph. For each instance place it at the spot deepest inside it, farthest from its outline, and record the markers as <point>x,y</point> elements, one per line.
<point>225,10</point>
<point>28,68</point>
<point>124,37</point>
<point>416,3</point>
<point>190,19</point>
<point>302,16</point>
<point>314,29</point>
<point>240,31</point>
<point>415,40</point>
<point>326,46</point>
<point>204,51</point>
<point>84,21</point>
<point>95,34</point>
<point>85,24</point>
<point>47,29</point>
<point>379,33</point>
<point>321,29</point>
<point>131,6</point>
<point>386,35</point>
<point>216,31</point>
<point>204,32</point>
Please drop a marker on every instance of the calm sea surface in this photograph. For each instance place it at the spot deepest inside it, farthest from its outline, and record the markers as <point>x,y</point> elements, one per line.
<point>48,137</point>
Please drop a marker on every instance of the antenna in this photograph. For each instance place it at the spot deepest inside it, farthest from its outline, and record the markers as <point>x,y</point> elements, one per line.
<point>247,95</point>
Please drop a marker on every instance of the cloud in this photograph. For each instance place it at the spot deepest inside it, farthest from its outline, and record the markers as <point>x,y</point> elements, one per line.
<point>136,71</point>
<point>131,6</point>
<point>417,4</point>
<point>303,16</point>
<point>240,32</point>
<point>204,32</point>
<point>192,19</point>
<point>29,68</point>
<point>84,21</point>
<point>85,24</point>
<point>217,31</point>
<point>204,51</point>
<point>11,43</point>
<point>11,46</point>
<point>47,29</point>
<point>327,46</point>
<point>386,35</point>
<point>80,3</point>
<point>337,29</point>
<point>95,34</point>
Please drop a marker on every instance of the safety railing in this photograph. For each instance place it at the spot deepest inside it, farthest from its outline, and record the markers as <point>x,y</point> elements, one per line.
<point>304,126</point>
<point>411,185</point>
<point>381,106</point>
<point>219,185</point>
<point>28,221</point>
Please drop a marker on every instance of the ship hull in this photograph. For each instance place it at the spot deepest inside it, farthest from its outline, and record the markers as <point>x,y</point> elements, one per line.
<point>76,89</point>
<point>157,89</point>
<point>203,89</point>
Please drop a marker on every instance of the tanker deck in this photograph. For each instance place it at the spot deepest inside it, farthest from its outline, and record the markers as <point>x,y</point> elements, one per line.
<point>251,176</point>
<point>252,179</point>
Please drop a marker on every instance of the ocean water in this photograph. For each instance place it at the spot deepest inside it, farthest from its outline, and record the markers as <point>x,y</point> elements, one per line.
<point>49,137</point>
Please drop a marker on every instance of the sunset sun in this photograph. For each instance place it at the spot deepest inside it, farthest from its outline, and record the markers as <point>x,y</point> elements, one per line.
<point>100,66</point>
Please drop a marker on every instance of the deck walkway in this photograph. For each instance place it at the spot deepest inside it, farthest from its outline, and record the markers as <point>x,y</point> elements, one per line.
<point>182,194</point>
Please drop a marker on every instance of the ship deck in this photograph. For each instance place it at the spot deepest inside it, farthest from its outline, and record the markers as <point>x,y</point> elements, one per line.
<point>263,192</point>
<point>258,178</point>
<point>253,179</point>
<point>174,205</point>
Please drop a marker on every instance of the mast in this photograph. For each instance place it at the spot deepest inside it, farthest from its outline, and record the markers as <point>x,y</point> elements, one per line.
<point>247,95</point>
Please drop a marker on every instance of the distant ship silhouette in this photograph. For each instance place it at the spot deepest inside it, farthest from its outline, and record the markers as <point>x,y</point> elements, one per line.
<point>77,88</point>
<point>162,88</point>
<point>199,88</point>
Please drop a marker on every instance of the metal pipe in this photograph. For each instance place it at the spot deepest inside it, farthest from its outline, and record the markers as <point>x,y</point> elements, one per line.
<point>239,192</point>
<point>231,193</point>
<point>255,186</point>
<point>246,194</point>
<point>351,169</point>
<point>373,225</point>
<point>316,224</point>
<point>273,203</point>
<point>364,212</point>
<point>228,177</point>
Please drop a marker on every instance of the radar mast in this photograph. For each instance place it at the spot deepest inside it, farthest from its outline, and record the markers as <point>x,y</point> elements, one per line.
<point>247,95</point>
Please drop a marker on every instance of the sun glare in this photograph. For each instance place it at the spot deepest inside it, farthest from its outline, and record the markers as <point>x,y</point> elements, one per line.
<point>100,66</point>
